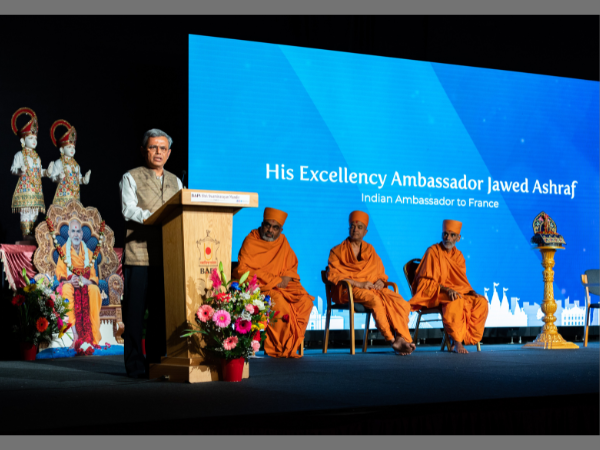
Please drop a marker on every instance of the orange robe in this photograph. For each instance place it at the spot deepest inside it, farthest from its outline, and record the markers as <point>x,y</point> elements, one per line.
<point>270,261</point>
<point>68,291</point>
<point>390,310</point>
<point>464,318</point>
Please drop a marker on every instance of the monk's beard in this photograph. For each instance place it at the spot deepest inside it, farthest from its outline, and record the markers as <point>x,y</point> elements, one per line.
<point>264,237</point>
<point>448,245</point>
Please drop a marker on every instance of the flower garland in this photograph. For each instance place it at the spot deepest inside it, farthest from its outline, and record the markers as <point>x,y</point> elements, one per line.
<point>67,259</point>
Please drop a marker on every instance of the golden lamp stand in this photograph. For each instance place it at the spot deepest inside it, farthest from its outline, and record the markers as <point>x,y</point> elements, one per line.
<point>549,339</point>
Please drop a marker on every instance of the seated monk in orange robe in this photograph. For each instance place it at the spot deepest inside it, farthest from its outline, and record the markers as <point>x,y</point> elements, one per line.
<point>357,262</point>
<point>267,254</point>
<point>441,279</point>
<point>80,286</point>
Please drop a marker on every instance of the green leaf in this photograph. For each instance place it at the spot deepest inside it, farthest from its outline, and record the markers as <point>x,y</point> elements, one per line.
<point>190,332</point>
<point>220,266</point>
<point>244,277</point>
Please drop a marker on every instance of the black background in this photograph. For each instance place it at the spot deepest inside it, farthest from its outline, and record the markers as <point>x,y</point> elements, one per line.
<point>114,77</point>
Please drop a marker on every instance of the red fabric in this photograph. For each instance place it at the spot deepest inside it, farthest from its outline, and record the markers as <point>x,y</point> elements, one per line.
<point>15,257</point>
<point>82,314</point>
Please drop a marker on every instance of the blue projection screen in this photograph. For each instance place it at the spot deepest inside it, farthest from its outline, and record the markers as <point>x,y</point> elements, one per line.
<point>320,133</point>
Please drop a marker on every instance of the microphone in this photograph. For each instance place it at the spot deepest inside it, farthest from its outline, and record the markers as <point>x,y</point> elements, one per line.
<point>183,176</point>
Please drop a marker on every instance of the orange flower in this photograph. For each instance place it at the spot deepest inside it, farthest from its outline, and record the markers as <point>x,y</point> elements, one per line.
<point>42,324</point>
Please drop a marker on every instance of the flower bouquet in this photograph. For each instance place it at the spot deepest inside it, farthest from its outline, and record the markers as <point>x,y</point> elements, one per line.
<point>234,318</point>
<point>41,314</point>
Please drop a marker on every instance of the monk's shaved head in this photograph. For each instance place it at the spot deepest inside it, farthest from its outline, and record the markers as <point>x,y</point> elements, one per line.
<point>357,231</point>
<point>270,230</point>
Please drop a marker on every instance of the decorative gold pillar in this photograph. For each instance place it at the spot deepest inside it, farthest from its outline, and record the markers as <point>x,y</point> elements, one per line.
<point>549,339</point>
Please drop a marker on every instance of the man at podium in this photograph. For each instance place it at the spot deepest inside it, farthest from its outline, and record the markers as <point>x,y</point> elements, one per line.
<point>267,254</point>
<point>144,190</point>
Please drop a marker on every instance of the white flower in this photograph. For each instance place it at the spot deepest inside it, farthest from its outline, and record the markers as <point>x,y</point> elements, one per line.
<point>260,304</point>
<point>245,296</point>
<point>246,316</point>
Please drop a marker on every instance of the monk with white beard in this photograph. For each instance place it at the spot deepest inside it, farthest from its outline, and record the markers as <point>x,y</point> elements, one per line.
<point>441,279</point>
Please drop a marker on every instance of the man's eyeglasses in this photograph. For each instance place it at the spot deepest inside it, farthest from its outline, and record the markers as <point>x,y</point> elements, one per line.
<point>156,149</point>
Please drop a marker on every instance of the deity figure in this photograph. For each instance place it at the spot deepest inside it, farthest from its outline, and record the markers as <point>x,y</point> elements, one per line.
<point>66,172</point>
<point>28,199</point>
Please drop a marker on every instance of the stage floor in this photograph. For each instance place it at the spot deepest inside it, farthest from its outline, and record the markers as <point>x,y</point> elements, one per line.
<point>320,393</point>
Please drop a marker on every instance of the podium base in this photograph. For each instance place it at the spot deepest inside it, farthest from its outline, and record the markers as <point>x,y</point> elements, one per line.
<point>190,370</point>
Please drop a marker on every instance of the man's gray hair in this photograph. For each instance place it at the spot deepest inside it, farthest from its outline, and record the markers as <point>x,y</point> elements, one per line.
<point>155,132</point>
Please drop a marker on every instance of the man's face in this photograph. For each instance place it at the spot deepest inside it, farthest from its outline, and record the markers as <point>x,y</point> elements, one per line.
<point>31,141</point>
<point>75,233</point>
<point>156,152</point>
<point>270,230</point>
<point>69,150</point>
<point>357,231</point>
<point>450,239</point>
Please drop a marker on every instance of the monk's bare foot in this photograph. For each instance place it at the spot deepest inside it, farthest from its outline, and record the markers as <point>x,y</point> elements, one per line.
<point>458,348</point>
<point>401,347</point>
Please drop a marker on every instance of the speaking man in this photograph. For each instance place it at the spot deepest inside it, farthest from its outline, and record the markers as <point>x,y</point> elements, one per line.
<point>357,262</point>
<point>144,190</point>
<point>441,279</point>
<point>267,254</point>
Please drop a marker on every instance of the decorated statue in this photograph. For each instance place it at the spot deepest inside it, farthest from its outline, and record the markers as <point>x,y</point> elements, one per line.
<point>66,172</point>
<point>28,199</point>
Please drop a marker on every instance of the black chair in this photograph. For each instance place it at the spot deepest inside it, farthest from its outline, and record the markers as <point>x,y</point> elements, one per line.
<point>351,307</point>
<point>591,281</point>
<point>410,268</point>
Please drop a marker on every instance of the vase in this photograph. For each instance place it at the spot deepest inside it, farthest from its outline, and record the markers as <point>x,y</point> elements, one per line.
<point>233,369</point>
<point>28,351</point>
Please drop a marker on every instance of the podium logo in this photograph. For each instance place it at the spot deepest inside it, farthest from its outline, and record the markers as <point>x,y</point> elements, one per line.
<point>208,248</point>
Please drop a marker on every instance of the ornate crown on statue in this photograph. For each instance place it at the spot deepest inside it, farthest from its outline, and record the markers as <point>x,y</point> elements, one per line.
<point>545,232</point>
<point>69,138</point>
<point>30,127</point>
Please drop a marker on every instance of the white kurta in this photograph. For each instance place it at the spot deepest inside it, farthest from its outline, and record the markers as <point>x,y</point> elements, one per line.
<point>129,200</point>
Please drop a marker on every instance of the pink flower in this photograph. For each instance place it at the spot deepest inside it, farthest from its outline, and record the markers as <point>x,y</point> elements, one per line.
<point>243,326</point>
<point>59,289</point>
<point>53,297</point>
<point>250,308</point>
<point>255,346</point>
<point>204,313</point>
<point>59,322</point>
<point>221,318</point>
<point>216,279</point>
<point>253,284</point>
<point>230,343</point>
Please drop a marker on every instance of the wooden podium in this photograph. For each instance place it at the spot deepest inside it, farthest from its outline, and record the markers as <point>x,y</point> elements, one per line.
<point>197,232</point>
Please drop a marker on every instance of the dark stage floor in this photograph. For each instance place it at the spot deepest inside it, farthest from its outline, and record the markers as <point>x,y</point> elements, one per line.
<point>503,389</point>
